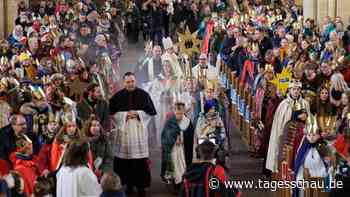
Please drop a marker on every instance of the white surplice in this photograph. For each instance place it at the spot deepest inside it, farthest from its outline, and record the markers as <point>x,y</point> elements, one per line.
<point>77,182</point>
<point>131,140</point>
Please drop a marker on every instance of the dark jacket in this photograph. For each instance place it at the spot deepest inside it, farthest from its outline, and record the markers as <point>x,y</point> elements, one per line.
<point>8,142</point>
<point>100,109</point>
<point>102,148</point>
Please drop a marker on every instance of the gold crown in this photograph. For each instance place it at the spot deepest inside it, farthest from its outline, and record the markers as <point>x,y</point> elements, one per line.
<point>37,93</point>
<point>4,60</point>
<point>268,68</point>
<point>69,117</point>
<point>295,83</point>
<point>23,57</point>
<point>255,47</point>
<point>54,117</point>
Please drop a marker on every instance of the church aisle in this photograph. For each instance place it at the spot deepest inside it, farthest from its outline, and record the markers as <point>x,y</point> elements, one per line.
<point>242,167</point>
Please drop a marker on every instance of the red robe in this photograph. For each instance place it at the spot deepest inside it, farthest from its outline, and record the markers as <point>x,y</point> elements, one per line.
<point>44,157</point>
<point>57,151</point>
<point>341,146</point>
<point>29,171</point>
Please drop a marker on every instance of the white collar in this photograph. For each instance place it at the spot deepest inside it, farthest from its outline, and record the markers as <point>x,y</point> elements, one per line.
<point>184,123</point>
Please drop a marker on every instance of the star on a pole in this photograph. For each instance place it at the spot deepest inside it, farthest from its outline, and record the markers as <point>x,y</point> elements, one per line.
<point>188,42</point>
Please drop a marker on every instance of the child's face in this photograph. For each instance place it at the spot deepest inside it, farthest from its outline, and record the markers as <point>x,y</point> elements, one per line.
<point>71,128</point>
<point>212,123</point>
<point>29,148</point>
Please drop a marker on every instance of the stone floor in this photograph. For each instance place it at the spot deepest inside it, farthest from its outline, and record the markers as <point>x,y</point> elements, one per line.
<point>242,167</point>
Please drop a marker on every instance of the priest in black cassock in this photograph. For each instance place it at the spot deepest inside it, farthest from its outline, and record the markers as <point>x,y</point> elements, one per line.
<point>132,108</point>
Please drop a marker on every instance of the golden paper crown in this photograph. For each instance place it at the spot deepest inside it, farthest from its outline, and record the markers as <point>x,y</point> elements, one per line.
<point>210,84</point>
<point>294,83</point>
<point>37,93</point>
<point>69,117</point>
<point>23,57</point>
<point>4,83</point>
<point>254,47</point>
<point>54,117</point>
<point>4,60</point>
<point>268,68</point>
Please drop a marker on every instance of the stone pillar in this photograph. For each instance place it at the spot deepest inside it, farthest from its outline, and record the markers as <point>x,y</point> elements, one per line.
<point>310,9</point>
<point>343,10</point>
<point>322,10</point>
<point>11,6</point>
<point>332,6</point>
<point>2,19</point>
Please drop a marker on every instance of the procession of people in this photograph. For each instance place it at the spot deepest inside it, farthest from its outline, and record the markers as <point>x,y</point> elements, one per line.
<point>72,124</point>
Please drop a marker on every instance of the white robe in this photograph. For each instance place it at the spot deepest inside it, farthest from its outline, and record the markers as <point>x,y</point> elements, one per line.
<point>131,140</point>
<point>77,182</point>
<point>282,115</point>
<point>313,162</point>
<point>156,88</point>
<point>174,61</point>
<point>212,72</point>
<point>178,153</point>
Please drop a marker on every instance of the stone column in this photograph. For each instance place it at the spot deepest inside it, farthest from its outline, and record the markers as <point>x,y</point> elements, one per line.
<point>310,9</point>
<point>2,19</point>
<point>343,10</point>
<point>332,6</point>
<point>11,14</point>
<point>322,10</point>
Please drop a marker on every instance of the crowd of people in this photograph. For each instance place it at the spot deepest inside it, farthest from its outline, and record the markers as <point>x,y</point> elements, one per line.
<point>73,125</point>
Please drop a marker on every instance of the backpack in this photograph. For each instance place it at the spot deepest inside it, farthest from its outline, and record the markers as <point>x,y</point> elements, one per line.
<point>198,187</point>
<point>196,183</point>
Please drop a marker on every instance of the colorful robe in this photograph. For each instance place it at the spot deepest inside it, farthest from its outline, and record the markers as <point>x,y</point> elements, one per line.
<point>282,115</point>
<point>175,157</point>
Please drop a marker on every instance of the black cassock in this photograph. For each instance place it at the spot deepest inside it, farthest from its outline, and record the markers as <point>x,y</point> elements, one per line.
<point>138,99</point>
<point>133,172</point>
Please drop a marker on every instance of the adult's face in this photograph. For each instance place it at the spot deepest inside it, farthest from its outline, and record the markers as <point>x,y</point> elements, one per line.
<point>157,51</point>
<point>96,93</point>
<point>20,125</point>
<point>310,74</point>
<point>101,41</point>
<point>33,43</point>
<point>258,35</point>
<point>326,69</point>
<point>284,43</point>
<point>84,31</point>
<point>344,99</point>
<point>295,92</point>
<point>281,32</point>
<point>69,43</point>
<point>19,31</point>
<point>130,83</point>
<point>202,60</point>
